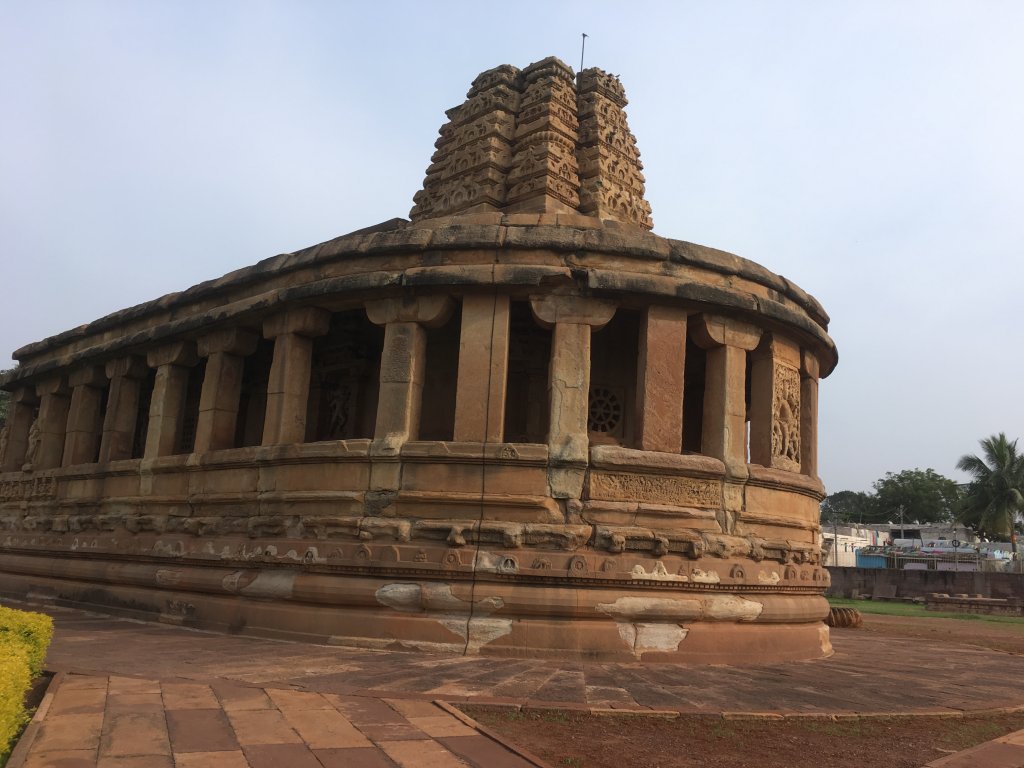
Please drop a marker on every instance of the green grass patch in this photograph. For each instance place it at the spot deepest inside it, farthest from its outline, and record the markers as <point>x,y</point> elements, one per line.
<point>913,610</point>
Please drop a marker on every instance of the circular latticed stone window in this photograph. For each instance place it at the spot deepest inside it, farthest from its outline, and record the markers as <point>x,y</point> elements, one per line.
<point>605,411</point>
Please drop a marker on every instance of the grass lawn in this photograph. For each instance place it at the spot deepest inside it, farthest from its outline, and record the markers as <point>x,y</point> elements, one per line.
<point>914,610</point>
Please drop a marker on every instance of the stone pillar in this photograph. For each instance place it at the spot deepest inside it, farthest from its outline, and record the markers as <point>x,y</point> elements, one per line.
<point>85,417</point>
<point>52,423</point>
<point>172,362</point>
<point>20,415</point>
<point>225,353</point>
<point>775,404</point>
<point>288,388</point>
<point>659,387</point>
<point>125,376</point>
<point>572,318</point>
<point>483,369</point>
<point>402,363</point>
<point>809,371</point>
<point>727,342</point>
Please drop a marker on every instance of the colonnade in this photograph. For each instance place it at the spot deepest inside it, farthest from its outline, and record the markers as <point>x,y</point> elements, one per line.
<point>90,413</point>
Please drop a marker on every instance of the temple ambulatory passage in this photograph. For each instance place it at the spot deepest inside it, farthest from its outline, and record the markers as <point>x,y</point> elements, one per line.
<point>517,423</point>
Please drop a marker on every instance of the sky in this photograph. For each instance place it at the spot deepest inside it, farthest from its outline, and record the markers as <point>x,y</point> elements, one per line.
<point>873,152</point>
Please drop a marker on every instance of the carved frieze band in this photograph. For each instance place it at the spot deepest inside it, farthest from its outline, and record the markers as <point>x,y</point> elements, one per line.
<point>659,489</point>
<point>36,488</point>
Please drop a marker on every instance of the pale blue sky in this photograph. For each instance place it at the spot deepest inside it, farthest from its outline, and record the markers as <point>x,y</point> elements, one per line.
<point>871,151</point>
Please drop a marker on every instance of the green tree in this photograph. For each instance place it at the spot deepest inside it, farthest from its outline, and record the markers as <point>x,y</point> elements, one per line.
<point>848,506</point>
<point>924,496</point>
<point>995,496</point>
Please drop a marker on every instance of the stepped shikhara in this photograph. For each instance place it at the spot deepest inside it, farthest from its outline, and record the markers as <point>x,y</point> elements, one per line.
<point>538,140</point>
<point>519,423</point>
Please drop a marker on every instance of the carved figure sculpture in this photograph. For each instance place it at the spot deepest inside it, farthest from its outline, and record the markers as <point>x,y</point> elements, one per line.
<point>34,438</point>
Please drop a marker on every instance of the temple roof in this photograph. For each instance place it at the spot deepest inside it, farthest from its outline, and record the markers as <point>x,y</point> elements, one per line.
<point>537,140</point>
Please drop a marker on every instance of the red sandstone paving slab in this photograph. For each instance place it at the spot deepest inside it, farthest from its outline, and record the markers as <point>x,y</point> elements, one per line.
<point>82,682</point>
<point>131,733</point>
<point>82,701</point>
<point>391,732</point>
<point>237,697</point>
<point>200,730</point>
<point>361,710</point>
<point>280,756</point>
<point>69,732</point>
<point>134,702</point>
<point>524,684</point>
<point>135,761</point>
<point>232,759</point>
<point>421,754</point>
<point>74,758</point>
<point>1017,738</point>
<point>188,696</point>
<point>480,751</point>
<point>262,726</point>
<point>992,754</point>
<point>285,700</point>
<point>414,708</point>
<point>594,694</point>
<point>442,725</point>
<point>325,682</point>
<point>353,758</point>
<point>132,685</point>
<point>326,729</point>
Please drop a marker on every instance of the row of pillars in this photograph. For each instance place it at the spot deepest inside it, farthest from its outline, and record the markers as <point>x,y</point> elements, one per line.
<point>70,421</point>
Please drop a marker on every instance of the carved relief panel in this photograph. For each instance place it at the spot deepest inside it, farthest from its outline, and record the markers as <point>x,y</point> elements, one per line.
<point>786,418</point>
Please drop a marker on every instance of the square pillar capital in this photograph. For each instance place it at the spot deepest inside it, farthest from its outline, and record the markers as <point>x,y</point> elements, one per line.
<point>57,385</point>
<point>429,311</point>
<point>553,309</point>
<point>131,367</point>
<point>25,396</point>
<point>177,353</point>
<point>90,376</point>
<point>778,348</point>
<point>231,341</point>
<point>711,331</point>
<point>302,321</point>
<point>809,365</point>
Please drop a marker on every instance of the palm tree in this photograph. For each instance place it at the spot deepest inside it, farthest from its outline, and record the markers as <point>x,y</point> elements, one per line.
<point>996,494</point>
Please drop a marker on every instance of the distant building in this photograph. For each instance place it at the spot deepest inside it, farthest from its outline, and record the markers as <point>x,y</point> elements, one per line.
<point>928,546</point>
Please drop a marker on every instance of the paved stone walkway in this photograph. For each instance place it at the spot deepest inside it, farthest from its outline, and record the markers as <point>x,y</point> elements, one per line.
<point>867,674</point>
<point>126,722</point>
<point>132,694</point>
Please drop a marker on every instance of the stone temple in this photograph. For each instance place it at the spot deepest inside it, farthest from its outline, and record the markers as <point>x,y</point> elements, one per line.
<point>518,423</point>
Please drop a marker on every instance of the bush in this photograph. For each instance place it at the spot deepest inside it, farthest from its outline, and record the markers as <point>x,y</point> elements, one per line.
<point>35,630</point>
<point>24,638</point>
<point>14,681</point>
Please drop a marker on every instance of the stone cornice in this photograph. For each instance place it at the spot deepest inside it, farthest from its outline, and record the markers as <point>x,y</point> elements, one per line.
<point>408,255</point>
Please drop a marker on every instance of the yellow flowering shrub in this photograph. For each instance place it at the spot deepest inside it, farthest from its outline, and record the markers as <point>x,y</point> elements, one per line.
<point>24,638</point>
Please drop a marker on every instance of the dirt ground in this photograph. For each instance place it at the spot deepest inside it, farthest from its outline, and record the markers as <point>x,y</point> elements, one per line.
<point>581,740</point>
<point>988,634</point>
